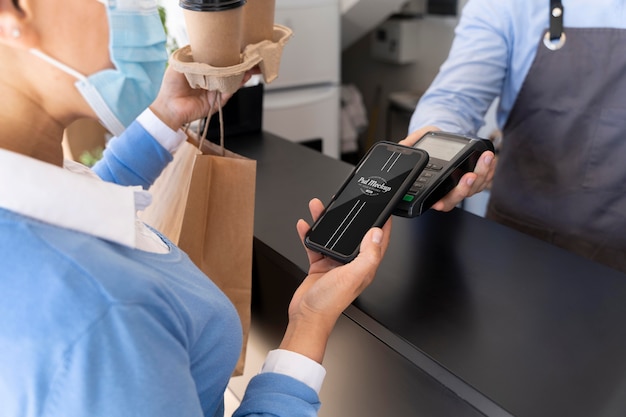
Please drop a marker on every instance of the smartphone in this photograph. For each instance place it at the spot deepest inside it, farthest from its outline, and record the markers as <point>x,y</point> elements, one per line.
<point>366,199</point>
<point>451,156</point>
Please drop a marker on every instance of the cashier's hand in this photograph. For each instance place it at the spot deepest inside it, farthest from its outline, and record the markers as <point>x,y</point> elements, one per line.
<point>329,289</point>
<point>470,183</point>
<point>178,103</point>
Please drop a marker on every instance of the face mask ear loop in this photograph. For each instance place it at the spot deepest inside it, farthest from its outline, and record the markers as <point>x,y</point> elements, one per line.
<point>59,65</point>
<point>91,95</point>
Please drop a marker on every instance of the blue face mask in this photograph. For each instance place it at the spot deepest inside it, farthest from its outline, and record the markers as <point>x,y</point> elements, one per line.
<point>137,47</point>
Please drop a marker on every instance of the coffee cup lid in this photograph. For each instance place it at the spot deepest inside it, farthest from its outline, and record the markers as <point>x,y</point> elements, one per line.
<point>210,5</point>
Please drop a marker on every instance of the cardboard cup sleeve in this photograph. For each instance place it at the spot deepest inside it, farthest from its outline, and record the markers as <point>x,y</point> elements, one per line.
<point>215,37</point>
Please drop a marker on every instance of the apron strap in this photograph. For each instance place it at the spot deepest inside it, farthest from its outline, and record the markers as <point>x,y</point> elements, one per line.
<point>556,20</point>
<point>555,36</point>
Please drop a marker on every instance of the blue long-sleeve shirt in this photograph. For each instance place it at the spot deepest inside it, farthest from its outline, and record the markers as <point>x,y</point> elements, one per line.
<point>133,158</point>
<point>494,47</point>
<point>92,327</point>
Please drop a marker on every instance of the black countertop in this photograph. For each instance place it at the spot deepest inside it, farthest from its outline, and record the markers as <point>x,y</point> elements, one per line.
<point>503,323</point>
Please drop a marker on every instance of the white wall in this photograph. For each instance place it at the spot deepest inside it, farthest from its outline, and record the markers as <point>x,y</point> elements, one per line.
<point>369,75</point>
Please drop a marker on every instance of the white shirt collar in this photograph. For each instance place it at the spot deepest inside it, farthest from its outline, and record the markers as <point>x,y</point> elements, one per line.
<point>61,197</point>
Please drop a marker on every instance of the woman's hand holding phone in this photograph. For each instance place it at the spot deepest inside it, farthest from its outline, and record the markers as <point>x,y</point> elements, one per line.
<point>329,289</point>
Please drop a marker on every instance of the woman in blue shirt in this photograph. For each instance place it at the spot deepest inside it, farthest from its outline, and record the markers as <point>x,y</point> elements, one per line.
<point>102,316</point>
<point>559,70</point>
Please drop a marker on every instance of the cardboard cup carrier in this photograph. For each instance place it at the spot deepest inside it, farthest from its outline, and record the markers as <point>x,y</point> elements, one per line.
<point>228,38</point>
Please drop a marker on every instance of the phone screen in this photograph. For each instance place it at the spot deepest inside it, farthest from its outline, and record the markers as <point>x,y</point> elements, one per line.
<point>366,199</point>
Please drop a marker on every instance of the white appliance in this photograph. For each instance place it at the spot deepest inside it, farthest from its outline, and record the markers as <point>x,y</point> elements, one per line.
<point>303,103</point>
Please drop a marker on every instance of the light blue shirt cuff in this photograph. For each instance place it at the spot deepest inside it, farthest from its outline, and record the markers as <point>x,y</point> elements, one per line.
<point>296,366</point>
<point>162,133</point>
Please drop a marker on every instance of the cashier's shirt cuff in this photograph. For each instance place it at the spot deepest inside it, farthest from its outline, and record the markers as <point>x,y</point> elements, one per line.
<point>296,366</point>
<point>162,133</point>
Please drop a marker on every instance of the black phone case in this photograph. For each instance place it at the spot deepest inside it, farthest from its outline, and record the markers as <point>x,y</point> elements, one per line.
<point>366,189</point>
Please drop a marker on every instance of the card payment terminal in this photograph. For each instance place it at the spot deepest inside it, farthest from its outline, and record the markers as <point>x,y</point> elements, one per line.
<point>450,157</point>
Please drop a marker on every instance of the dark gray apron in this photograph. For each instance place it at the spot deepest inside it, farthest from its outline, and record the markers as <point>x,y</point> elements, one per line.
<point>561,173</point>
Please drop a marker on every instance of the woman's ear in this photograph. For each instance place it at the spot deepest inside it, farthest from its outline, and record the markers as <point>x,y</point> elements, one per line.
<point>15,27</point>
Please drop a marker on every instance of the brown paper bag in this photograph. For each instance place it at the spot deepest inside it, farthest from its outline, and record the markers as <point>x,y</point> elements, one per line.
<point>204,202</point>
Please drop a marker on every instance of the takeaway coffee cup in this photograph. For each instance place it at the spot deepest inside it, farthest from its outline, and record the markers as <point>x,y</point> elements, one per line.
<point>258,21</point>
<point>214,28</point>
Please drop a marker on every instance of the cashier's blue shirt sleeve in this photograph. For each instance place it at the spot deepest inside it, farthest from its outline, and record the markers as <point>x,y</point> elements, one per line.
<point>494,46</point>
<point>133,158</point>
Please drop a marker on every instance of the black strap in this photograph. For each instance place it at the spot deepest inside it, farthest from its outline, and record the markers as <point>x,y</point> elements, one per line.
<point>556,20</point>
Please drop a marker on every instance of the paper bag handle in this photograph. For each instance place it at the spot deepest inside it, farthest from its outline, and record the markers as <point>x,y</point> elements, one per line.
<point>218,98</point>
